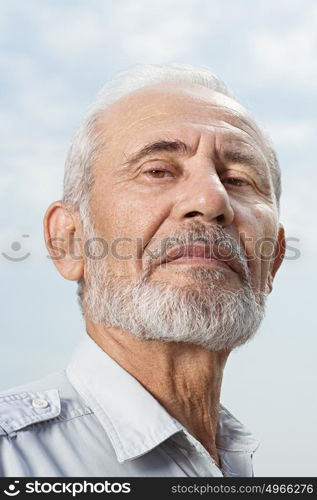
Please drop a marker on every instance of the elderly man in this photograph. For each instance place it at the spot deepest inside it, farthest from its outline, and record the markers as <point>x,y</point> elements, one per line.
<point>170,224</point>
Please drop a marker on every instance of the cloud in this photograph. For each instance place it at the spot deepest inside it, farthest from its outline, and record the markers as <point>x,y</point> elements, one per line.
<point>287,54</point>
<point>290,134</point>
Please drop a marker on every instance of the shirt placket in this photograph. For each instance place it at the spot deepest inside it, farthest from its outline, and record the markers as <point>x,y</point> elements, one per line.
<point>201,462</point>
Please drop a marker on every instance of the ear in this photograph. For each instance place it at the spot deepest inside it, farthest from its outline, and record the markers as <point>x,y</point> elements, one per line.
<point>278,257</point>
<point>63,238</point>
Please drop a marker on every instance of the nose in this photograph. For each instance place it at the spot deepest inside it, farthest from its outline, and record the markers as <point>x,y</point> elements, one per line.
<point>204,197</point>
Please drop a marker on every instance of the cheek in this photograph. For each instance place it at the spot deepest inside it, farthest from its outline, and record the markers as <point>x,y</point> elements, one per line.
<point>128,220</point>
<point>257,229</point>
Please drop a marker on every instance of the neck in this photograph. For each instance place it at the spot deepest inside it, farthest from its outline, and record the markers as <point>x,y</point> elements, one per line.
<point>184,378</point>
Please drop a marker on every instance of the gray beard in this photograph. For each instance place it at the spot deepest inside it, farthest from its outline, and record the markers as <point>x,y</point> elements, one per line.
<point>204,313</point>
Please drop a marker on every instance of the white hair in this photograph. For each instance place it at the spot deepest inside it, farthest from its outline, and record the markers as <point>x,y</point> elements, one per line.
<point>78,179</point>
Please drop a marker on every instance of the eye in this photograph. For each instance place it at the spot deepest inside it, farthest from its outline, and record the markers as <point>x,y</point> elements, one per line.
<point>158,173</point>
<point>235,181</point>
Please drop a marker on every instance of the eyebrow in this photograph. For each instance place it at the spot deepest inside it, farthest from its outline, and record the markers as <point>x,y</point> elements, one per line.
<point>175,146</point>
<point>240,157</point>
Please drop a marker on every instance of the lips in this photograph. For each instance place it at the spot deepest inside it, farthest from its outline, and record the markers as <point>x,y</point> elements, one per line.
<point>213,252</point>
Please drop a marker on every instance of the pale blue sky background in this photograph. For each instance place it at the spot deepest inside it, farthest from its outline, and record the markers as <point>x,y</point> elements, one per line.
<point>55,55</point>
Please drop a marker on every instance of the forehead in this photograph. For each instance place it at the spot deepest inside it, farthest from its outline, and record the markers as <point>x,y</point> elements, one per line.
<point>180,111</point>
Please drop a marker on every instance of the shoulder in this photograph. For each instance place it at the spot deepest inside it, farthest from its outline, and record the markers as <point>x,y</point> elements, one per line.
<point>50,399</point>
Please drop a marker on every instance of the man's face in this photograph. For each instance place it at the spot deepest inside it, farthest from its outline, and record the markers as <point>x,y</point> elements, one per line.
<point>174,156</point>
<point>183,197</point>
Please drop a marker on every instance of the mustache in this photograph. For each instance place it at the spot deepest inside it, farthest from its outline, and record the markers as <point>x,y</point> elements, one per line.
<point>215,238</point>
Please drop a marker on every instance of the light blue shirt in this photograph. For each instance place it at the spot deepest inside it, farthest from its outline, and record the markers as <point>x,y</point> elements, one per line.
<point>95,419</point>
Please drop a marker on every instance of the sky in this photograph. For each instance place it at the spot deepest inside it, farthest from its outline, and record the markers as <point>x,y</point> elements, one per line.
<point>55,56</point>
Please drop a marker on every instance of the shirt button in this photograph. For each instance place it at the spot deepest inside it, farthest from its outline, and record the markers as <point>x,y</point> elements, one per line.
<point>39,403</point>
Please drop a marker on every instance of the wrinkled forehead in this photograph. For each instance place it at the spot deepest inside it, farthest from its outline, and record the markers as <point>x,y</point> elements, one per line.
<point>169,105</point>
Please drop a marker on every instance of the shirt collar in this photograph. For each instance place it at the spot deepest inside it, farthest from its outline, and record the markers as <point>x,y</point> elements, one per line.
<point>133,419</point>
